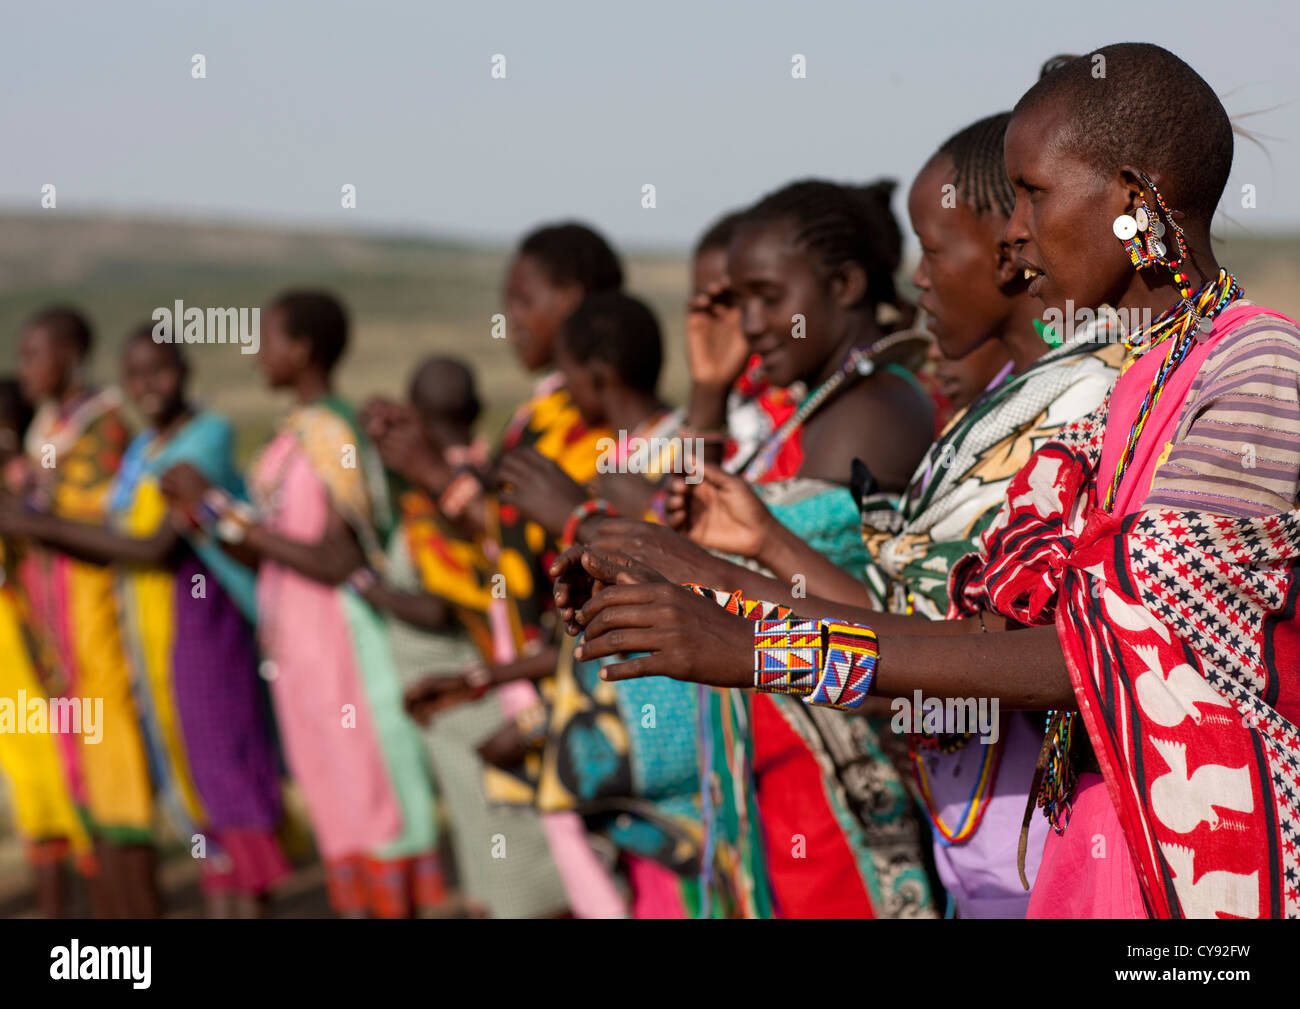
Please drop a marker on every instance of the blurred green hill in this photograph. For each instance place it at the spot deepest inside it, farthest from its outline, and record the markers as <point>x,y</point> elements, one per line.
<point>408,295</point>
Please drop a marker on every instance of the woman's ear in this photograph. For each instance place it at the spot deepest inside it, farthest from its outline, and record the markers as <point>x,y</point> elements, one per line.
<point>1006,271</point>
<point>569,297</point>
<point>601,375</point>
<point>849,285</point>
<point>1130,179</point>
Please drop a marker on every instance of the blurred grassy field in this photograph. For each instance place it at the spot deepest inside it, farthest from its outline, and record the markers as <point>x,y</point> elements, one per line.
<point>408,297</point>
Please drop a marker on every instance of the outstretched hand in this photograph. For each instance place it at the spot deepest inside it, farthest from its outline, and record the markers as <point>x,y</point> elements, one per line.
<point>580,572</point>
<point>183,486</point>
<point>687,637</point>
<point>674,556</point>
<point>434,694</point>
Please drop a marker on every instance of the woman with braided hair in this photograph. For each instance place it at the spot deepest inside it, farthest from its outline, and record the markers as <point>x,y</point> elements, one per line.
<point>810,270</point>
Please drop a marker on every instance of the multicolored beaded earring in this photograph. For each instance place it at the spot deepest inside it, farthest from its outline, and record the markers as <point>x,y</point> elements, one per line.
<point>1143,232</point>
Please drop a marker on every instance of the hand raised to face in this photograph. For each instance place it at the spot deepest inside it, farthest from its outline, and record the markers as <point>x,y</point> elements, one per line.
<point>715,346</point>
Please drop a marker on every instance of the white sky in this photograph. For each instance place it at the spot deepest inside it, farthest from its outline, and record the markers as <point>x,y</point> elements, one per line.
<point>694,96</point>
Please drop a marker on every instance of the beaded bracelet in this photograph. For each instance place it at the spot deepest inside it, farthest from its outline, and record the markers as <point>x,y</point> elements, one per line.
<point>788,655</point>
<point>827,663</point>
<point>584,511</point>
<point>735,602</point>
<point>363,579</point>
<point>852,652</point>
<point>217,512</point>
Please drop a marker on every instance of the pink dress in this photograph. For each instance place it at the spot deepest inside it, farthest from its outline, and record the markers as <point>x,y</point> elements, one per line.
<point>1088,871</point>
<point>320,704</point>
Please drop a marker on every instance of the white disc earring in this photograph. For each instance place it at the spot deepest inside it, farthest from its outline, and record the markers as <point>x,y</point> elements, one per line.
<point>1124,227</point>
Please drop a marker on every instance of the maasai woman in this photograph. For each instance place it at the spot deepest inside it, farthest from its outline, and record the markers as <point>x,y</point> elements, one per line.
<point>185,611</point>
<point>44,813</point>
<point>449,596</point>
<point>74,448</point>
<point>322,510</point>
<point>842,838</point>
<point>1158,583</point>
<point>554,269</point>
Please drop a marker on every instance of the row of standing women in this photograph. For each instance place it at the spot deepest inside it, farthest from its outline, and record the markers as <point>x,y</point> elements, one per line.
<point>535,644</point>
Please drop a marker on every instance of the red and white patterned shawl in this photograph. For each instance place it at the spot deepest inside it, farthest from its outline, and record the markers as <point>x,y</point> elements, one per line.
<point>1180,633</point>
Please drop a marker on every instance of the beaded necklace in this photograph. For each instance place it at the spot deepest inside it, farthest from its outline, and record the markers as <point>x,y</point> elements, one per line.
<point>859,362</point>
<point>1179,326</point>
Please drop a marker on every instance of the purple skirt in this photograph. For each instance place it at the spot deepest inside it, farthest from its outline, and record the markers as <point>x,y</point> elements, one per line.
<point>221,705</point>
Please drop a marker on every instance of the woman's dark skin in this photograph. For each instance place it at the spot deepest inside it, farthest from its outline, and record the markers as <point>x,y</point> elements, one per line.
<point>962,381</point>
<point>438,433</point>
<point>154,380</point>
<point>692,638</point>
<point>975,297</point>
<point>429,696</point>
<point>426,610</point>
<point>774,278</point>
<point>288,364</point>
<point>539,488</point>
<point>605,401</point>
<point>536,308</point>
<point>1061,226</point>
<point>547,495</point>
<point>970,285</point>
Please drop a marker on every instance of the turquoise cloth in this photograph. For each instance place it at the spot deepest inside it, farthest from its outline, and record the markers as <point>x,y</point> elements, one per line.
<point>827,519</point>
<point>207,443</point>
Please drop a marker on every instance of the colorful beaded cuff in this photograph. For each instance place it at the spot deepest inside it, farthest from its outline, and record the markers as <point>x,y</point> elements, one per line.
<point>850,666</point>
<point>787,655</point>
<point>825,662</point>
<point>735,602</point>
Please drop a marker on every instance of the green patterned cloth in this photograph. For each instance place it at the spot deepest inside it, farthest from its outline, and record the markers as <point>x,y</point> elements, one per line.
<point>911,543</point>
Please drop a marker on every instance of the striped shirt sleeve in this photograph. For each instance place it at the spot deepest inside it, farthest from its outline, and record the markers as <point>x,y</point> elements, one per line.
<point>1237,448</point>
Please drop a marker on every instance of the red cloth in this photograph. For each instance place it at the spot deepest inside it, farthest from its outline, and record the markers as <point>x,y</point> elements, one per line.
<point>810,863</point>
<point>385,888</point>
<point>1180,635</point>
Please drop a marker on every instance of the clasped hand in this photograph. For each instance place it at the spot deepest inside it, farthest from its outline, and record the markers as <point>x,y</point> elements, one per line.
<point>620,605</point>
